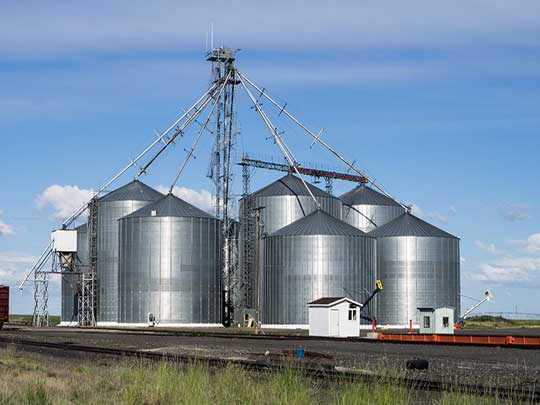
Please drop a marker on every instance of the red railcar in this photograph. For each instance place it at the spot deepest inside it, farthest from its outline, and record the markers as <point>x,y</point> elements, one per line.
<point>4,304</point>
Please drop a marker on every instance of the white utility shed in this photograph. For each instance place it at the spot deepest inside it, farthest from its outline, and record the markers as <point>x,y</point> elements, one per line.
<point>334,316</point>
<point>436,320</point>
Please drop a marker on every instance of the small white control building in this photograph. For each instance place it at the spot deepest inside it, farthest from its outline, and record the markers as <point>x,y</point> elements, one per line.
<point>436,320</point>
<point>334,316</point>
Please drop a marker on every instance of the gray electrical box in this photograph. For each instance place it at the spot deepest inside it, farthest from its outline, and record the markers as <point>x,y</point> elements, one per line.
<point>436,320</point>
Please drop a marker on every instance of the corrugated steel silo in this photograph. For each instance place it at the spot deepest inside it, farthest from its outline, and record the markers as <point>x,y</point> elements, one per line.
<point>69,281</point>
<point>111,208</point>
<point>368,209</point>
<point>285,201</point>
<point>314,257</point>
<point>170,264</point>
<point>419,266</point>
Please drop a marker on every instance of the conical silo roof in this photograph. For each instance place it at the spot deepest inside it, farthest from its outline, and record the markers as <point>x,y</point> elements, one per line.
<point>364,195</point>
<point>409,225</point>
<point>134,191</point>
<point>319,222</point>
<point>290,185</point>
<point>170,206</point>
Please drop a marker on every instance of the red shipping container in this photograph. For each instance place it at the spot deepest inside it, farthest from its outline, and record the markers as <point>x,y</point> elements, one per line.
<point>4,304</point>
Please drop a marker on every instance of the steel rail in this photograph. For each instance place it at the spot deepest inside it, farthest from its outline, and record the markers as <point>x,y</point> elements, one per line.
<point>39,263</point>
<point>181,129</point>
<point>317,138</point>
<point>309,369</point>
<point>68,221</point>
<point>290,159</point>
<point>308,171</point>
<point>195,143</point>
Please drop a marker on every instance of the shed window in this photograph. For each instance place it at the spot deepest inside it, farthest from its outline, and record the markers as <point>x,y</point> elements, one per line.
<point>352,314</point>
<point>445,321</point>
<point>427,322</point>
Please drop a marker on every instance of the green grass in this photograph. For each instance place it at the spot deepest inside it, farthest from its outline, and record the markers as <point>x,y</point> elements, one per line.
<point>38,379</point>
<point>493,322</point>
<point>27,319</point>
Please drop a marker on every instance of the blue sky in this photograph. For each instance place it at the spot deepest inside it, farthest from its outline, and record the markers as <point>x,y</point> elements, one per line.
<point>438,102</point>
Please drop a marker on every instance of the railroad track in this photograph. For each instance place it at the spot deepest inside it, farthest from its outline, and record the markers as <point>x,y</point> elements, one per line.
<point>526,393</point>
<point>222,335</point>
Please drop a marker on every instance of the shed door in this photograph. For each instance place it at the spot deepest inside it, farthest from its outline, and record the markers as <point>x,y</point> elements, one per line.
<point>334,322</point>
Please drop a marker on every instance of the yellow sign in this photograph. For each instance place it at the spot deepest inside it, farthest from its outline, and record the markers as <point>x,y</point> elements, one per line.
<point>379,285</point>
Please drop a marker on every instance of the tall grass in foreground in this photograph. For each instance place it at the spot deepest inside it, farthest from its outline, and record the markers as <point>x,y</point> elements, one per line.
<point>36,379</point>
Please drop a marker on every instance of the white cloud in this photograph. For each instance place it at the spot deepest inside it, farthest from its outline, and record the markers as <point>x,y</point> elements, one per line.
<point>13,266</point>
<point>353,73</point>
<point>515,212</point>
<point>432,215</point>
<point>530,245</point>
<point>490,272</point>
<point>5,229</point>
<point>437,217</point>
<point>42,28</point>
<point>416,210</point>
<point>515,267</point>
<point>488,247</point>
<point>64,200</point>
<point>511,269</point>
<point>202,199</point>
<point>533,244</point>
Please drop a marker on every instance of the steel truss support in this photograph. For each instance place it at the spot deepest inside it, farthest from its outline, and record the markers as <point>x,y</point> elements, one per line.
<point>277,138</point>
<point>46,254</point>
<point>87,282</point>
<point>86,299</point>
<point>203,127</point>
<point>316,137</point>
<point>308,171</point>
<point>328,185</point>
<point>224,73</point>
<point>41,300</point>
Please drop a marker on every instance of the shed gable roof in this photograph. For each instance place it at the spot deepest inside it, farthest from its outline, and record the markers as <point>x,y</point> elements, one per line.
<point>332,301</point>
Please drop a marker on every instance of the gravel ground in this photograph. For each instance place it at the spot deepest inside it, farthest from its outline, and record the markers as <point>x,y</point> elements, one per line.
<point>492,366</point>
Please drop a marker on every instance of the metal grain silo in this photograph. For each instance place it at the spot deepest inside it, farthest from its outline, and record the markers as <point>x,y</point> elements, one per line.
<point>281,203</point>
<point>314,257</point>
<point>368,209</point>
<point>111,208</point>
<point>69,281</point>
<point>419,266</point>
<point>170,264</point>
